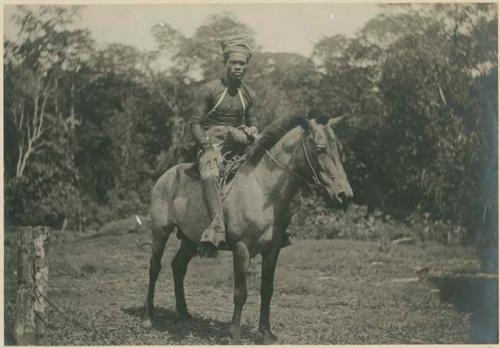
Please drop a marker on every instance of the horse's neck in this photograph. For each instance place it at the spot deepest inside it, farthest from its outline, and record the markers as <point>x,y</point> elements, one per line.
<point>274,179</point>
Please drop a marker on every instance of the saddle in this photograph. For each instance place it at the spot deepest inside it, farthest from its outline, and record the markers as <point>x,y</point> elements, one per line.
<point>231,162</point>
<point>231,150</point>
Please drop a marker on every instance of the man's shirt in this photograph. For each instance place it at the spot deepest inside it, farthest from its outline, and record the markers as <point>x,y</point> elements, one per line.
<point>229,112</point>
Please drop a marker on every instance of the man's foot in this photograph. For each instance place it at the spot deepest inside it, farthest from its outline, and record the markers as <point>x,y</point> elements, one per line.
<point>214,234</point>
<point>209,235</point>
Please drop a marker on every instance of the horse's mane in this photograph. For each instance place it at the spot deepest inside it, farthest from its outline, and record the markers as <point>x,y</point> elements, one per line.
<point>270,136</point>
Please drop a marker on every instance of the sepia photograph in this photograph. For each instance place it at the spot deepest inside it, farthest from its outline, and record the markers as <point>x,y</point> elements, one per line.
<point>250,173</point>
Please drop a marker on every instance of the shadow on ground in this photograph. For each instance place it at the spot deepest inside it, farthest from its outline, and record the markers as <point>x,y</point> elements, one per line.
<point>473,295</point>
<point>181,330</point>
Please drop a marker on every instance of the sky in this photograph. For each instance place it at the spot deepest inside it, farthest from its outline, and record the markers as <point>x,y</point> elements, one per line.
<point>292,27</point>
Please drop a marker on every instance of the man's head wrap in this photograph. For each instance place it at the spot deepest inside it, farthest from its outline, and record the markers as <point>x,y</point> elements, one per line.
<point>235,44</point>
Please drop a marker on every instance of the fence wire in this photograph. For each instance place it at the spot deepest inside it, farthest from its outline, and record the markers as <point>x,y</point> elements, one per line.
<point>64,317</point>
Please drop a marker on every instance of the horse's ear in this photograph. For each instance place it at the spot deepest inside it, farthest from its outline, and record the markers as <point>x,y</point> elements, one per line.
<point>304,123</point>
<point>335,121</point>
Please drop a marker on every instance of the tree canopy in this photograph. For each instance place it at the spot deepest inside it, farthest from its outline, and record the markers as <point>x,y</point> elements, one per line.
<point>89,129</point>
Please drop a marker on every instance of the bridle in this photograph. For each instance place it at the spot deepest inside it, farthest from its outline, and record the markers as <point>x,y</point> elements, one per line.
<point>316,182</point>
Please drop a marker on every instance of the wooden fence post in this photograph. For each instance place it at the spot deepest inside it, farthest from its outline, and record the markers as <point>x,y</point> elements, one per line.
<point>33,275</point>
<point>41,246</point>
<point>24,329</point>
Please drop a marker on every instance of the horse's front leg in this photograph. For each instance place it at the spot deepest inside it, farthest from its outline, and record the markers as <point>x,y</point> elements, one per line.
<point>269,260</point>
<point>241,259</point>
<point>179,267</point>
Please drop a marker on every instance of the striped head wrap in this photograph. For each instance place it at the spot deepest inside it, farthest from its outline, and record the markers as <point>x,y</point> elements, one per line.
<point>236,44</point>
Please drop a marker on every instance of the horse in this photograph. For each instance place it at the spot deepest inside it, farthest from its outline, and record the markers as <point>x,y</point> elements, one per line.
<point>256,209</point>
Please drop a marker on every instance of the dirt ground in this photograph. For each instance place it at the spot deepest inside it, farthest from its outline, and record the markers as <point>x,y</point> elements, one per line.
<point>326,292</point>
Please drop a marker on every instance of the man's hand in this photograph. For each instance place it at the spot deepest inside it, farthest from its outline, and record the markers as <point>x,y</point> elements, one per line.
<point>251,131</point>
<point>239,136</point>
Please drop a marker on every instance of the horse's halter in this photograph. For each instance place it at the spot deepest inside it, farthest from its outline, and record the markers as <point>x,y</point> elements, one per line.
<point>316,182</point>
<point>315,177</point>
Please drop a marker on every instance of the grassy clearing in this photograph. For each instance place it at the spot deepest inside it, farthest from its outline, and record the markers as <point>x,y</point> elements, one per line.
<point>326,292</point>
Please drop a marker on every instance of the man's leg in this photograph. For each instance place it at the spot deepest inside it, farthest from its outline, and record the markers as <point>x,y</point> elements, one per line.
<point>209,162</point>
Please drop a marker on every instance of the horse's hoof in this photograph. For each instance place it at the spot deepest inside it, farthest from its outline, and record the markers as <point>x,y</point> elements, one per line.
<point>235,336</point>
<point>147,323</point>
<point>269,338</point>
<point>184,315</point>
<point>235,342</point>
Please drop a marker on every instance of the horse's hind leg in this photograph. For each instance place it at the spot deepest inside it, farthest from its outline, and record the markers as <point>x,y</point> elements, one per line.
<point>179,268</point>
<point>160,237</point>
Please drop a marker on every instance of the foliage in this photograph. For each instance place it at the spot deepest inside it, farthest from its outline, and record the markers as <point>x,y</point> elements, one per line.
<point>89,129</point>
<point>419,85</point>
<point>357,223</point>
<point>44,62</point>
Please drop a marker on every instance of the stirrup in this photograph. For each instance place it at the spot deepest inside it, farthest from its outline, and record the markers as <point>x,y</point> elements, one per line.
<point>213,235</point>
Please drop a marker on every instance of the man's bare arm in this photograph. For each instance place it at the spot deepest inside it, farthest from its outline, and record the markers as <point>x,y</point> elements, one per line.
<point>201,108</point>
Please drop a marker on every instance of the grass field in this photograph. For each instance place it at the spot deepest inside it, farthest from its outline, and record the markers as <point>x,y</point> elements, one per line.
<point>326,292</point>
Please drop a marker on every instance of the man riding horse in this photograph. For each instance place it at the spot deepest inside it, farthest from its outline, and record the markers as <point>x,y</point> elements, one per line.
<point>223,109</point>
<point>293,150</point>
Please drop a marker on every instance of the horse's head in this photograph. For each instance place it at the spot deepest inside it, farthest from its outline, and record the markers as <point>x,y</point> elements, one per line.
<point>323,155</point>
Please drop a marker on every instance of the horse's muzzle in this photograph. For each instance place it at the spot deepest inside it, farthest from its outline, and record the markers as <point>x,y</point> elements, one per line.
<point>337,200</point>
<point>343,197</point>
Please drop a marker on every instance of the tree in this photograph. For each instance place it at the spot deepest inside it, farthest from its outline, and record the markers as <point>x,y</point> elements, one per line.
<point>202,51</point>
<point>417,83</point>
<point>38,65</point>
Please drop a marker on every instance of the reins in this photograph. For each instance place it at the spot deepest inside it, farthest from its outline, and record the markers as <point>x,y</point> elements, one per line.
<point>316,184</point>
<point>231,163</point>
